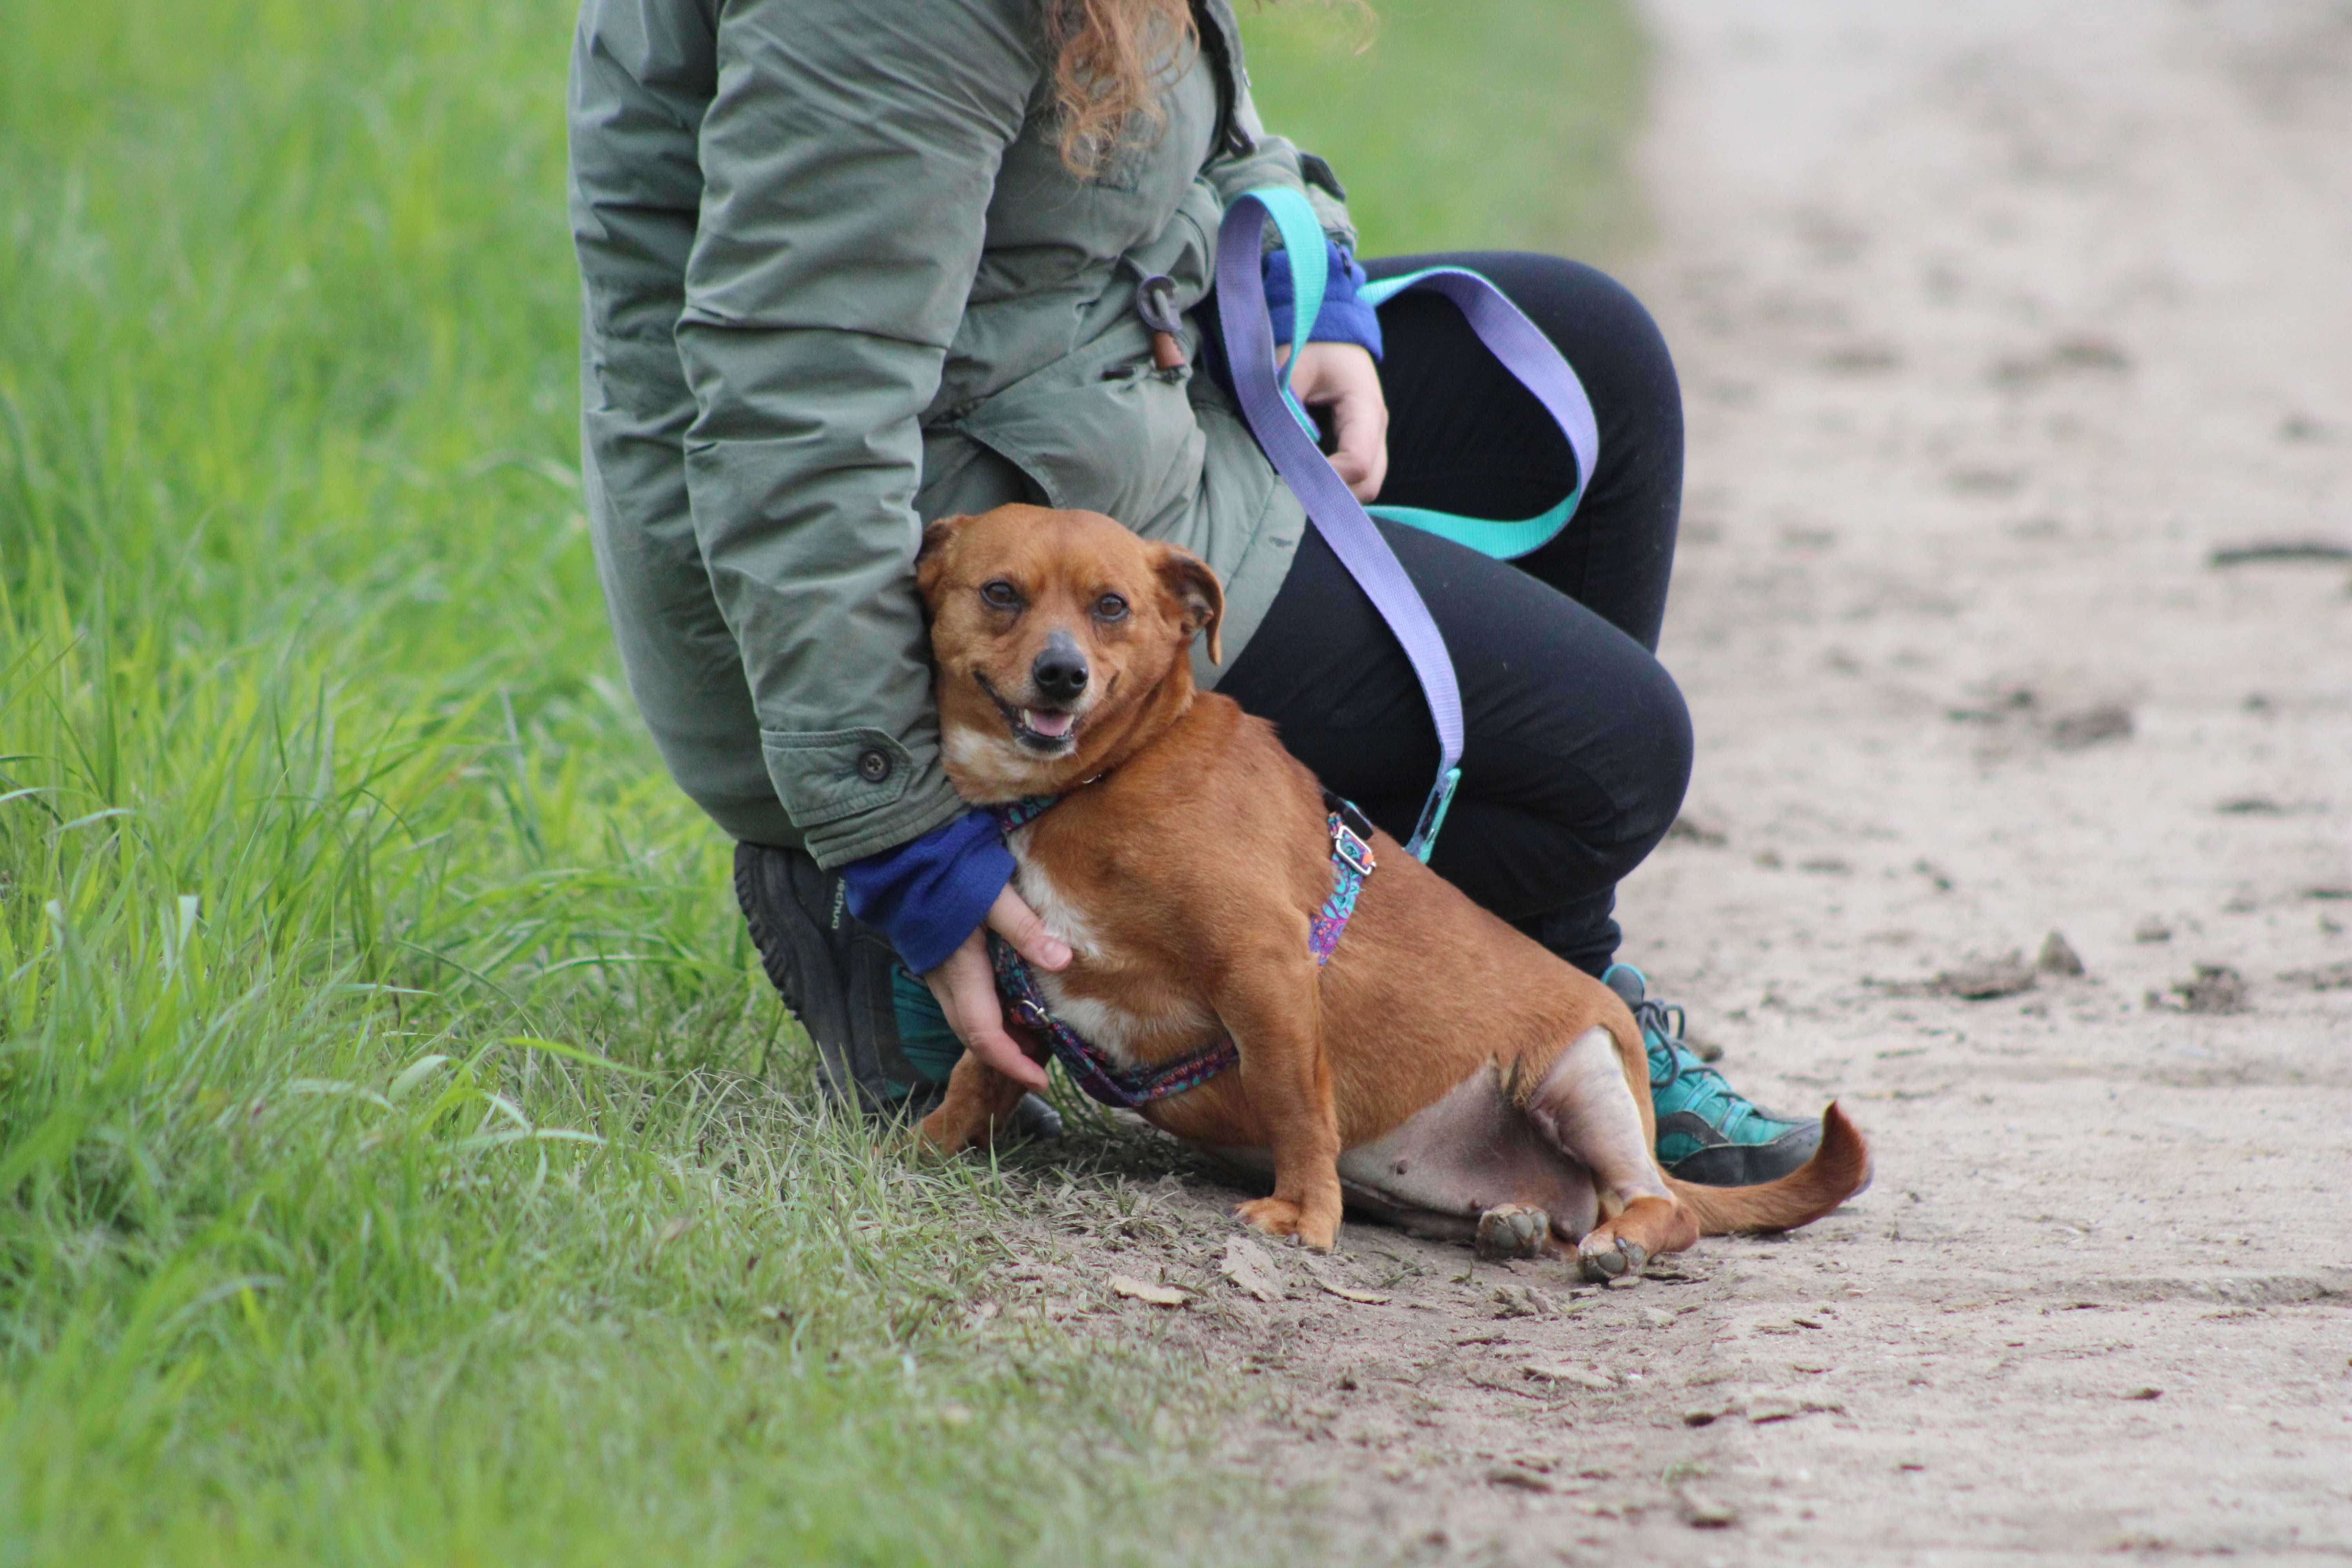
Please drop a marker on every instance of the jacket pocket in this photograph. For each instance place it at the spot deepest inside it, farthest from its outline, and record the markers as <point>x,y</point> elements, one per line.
<point>1102,432</point>
<point>824,775</point>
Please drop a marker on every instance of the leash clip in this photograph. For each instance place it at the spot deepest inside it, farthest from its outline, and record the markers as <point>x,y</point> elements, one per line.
<point>1433,816</point>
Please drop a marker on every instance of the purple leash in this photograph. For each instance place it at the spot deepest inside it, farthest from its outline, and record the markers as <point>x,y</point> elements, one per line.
<point>1284,432</point>
<point>1345,525</point>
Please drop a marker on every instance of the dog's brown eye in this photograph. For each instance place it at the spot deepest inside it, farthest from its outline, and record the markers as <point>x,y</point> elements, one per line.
<point>1110,607</point>
<point>999,594</point>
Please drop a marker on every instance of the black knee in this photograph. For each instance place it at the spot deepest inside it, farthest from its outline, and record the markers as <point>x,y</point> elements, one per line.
<point>1651,754</point>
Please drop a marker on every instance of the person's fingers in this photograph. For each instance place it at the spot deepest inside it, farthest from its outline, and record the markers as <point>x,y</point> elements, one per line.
<point>966,989</point>
<point>1344,379</point>
<point>1012,918</point>
<point>1032,1044</point>
<point>1370,490</point>
<point>965,986</point>
<point>1353,468</point>
<point>1361,421</point>
<point>992,1044</point>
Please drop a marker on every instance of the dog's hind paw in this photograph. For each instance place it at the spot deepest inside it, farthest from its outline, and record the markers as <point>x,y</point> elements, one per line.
<point>1601,1258</point>
<point>1513,1230</point>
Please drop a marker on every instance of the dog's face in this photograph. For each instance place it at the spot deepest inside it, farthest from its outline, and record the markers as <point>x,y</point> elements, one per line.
<point>1058,635</point>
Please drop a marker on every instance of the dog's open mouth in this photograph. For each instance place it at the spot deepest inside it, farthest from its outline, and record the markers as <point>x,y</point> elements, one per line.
<point>1049,731</point>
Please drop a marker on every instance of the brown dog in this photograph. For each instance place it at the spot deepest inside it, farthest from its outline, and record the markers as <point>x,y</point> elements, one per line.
<point>1443,1069</point>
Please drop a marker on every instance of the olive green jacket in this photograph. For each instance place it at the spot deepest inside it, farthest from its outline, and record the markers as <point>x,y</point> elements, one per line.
<point>838,283</point>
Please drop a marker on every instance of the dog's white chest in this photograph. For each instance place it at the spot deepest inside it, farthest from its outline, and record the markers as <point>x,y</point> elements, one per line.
<point>990,762</point>
<point>1117,1030</point>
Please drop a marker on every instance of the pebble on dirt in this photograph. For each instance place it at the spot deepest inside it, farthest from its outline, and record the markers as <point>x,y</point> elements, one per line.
<point>1524,1301</point>
<point>2250,806</point>
<point>1983,980</point>
<point>2216,988</point>
<point>2058,957</point>
<point>2323,550</point>
<point>1771,1406</point>
<point>2152,929</point>
<point>1692,830</point>
<point>2108,721</point>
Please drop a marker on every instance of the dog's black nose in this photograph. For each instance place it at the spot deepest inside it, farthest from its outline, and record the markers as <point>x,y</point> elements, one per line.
<point>1060,672</point>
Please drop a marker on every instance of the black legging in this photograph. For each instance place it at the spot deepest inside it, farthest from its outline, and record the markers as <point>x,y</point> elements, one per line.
<point>1577,746</point>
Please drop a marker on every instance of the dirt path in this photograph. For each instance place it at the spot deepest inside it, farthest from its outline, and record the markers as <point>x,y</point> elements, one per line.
<point>1996,319</point>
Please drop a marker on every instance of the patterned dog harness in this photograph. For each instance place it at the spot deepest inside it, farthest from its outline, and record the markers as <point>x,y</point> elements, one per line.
<point>1127,1088</point>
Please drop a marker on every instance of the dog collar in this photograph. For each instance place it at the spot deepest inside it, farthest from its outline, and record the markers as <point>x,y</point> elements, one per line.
<point>1021,813</point>
<point>1127,1088</point>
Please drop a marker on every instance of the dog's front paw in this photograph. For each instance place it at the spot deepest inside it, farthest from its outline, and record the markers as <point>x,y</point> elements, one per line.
<point>942,1134</point>
<point>1305,1223</point>
<point>1275,1217</point>
<point>1602,1257</point>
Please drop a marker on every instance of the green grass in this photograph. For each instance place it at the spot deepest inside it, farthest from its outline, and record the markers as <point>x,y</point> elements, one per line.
<point>400,1156</point>
<point>1461,124</point>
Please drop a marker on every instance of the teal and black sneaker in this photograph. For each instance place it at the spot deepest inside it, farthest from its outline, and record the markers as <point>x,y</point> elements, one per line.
<point>1707,1133</point>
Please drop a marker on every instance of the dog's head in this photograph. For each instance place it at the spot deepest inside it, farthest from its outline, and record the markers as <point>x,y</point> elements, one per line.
<point>1061,640</point>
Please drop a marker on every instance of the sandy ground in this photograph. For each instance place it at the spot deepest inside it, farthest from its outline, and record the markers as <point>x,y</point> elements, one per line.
<point>1996,320</point>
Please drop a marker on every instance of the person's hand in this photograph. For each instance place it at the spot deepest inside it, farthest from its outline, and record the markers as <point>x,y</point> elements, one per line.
<point>966,986</point>
<point>1344,378</point>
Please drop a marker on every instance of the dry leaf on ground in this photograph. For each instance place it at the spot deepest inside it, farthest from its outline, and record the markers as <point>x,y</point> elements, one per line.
<point>1142,1291</point>
<point>1248,1266</point>
<point>1583,1378</point>
<point>1350,1293</point>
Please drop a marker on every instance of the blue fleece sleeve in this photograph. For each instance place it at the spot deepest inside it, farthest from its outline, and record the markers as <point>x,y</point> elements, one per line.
<point>931,894</point>
<point>1344,317</point>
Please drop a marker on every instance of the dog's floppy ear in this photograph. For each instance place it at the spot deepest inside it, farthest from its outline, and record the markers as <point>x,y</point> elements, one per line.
<point>1198,597</point>
<point>931,559</point>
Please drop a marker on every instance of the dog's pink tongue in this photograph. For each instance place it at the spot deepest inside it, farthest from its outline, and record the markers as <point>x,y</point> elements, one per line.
<point>1053,726</point>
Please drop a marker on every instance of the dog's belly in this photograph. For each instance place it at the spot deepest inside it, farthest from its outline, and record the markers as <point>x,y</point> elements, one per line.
<point>1470,1151</point>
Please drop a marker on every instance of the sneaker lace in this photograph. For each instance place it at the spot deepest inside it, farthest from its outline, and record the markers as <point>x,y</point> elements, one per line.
<point>1652,1017</point>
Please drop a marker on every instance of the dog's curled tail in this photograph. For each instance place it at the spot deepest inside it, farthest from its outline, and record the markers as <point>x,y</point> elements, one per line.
<point>1839,1169</point>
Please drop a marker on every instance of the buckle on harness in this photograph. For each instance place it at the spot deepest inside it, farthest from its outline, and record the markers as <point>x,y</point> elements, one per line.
<point>1351,832</point>
<point>1349,846</point>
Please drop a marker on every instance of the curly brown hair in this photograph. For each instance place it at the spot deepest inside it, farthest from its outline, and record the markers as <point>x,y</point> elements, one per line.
<point>1111,57</point>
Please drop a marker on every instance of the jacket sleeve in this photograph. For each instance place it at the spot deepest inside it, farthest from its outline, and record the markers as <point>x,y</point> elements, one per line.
<point>847,161</point>
<point>928,895</point>
<point>1344,317</point>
